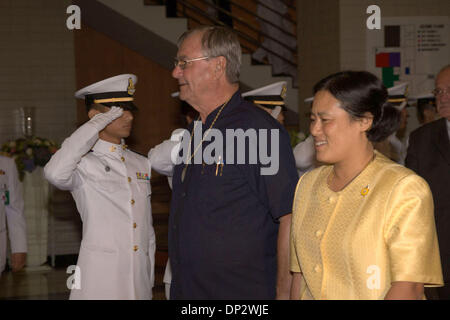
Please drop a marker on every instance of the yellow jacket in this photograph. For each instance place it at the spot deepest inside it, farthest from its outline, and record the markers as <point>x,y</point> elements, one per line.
<point>354,243</point>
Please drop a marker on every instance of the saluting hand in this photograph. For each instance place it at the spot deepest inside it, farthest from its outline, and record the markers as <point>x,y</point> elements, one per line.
<point>101,120</point>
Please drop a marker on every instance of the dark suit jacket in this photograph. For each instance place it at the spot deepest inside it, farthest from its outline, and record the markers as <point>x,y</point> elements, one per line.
<point>429,156</point>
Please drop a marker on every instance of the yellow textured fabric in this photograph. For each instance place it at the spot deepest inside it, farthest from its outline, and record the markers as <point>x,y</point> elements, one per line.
<point>353,246</point>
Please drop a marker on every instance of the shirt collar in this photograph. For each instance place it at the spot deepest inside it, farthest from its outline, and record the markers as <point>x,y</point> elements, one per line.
<point>108,148</point>
<point>231,104</point>
<point>448,128</point>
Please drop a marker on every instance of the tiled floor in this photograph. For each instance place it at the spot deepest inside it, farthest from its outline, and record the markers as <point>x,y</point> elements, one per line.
<point>51,285</point>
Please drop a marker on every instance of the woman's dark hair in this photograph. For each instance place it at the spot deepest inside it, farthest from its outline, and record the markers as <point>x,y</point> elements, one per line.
<point>360,92</point>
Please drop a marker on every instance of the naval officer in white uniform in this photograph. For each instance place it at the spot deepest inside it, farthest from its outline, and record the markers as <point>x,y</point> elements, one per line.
<point>11,215</point>
<point>111,188</point>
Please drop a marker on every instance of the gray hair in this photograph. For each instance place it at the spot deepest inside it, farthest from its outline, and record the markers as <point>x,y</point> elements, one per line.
<point>220,41</point>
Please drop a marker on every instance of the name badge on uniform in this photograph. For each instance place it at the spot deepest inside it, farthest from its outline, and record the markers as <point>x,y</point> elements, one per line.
<point>142,176</point>
<point>5,195</point>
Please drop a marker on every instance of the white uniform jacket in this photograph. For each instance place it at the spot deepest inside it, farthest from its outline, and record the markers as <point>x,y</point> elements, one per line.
<point>111,188</point>
<point>11,210</point>
<point>163,156</point>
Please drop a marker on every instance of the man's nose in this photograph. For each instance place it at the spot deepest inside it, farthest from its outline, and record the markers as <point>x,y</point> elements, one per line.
<point>177,72</point>
<point>128,115</point>
<point>314,128</point>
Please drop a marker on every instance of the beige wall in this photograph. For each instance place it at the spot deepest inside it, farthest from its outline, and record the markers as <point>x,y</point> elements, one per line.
<point>332,37</point>
<point>318,47</point>
<point>353,30</point>
<point>37,67</point>
<point>353,18</point>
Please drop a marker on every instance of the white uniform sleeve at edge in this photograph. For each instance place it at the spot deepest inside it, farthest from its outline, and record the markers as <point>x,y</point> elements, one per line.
<point>160,156</point>
<point>304,154</point>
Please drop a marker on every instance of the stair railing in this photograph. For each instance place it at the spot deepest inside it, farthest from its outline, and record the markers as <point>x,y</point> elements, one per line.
<point>192,11</point>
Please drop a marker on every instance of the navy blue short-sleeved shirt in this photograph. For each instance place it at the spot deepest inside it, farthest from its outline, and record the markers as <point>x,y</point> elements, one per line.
<point>223,223</point>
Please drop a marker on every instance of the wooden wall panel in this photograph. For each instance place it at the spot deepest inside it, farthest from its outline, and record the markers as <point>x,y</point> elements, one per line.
<point>98,57</point>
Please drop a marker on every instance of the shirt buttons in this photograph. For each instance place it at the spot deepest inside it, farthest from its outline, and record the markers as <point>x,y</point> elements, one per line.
<point>123,159</point>
<point>132,201</point>
<point>319,233</point>
<point>129,179</point>
<point>317,268</point>
<point>135,248</point>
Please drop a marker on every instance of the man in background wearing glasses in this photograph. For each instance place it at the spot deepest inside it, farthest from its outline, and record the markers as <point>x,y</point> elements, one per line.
<point>429,156</point>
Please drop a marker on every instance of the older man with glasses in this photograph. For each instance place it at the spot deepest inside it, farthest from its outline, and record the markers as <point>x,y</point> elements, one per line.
<point>229,224</point>
<point>429,156</point>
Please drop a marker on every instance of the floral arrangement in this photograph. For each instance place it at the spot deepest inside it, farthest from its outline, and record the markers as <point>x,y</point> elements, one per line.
<point>29,153</point>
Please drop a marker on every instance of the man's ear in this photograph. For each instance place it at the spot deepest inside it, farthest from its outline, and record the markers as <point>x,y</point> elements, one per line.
<point>92,112</point>
<point>221,65</point>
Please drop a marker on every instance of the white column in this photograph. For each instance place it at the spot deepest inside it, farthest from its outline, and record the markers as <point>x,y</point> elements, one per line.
<point>36,198</point>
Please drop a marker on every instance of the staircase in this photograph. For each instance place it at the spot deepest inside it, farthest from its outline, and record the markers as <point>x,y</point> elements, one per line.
<point>153,18</point>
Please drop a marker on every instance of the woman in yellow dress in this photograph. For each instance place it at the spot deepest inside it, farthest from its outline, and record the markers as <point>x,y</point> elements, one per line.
<point>362,226</point>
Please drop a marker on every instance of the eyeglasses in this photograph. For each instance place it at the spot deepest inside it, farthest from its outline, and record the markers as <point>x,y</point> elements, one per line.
<point>183,63</point>
<point>441,92</point>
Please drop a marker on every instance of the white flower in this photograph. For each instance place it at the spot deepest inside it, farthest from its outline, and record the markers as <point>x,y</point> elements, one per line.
<point>29,152</point>
<point>12,144</point>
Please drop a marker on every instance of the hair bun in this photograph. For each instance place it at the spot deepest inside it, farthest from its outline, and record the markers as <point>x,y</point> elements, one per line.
<point>387,124</point>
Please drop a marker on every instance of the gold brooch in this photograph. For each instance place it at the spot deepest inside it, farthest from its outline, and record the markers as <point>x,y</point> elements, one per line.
<point>365,191</point>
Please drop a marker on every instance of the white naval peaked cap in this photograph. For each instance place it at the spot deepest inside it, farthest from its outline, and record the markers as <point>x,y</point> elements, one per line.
<point>398,95</point>
<point>269,96</point>
<point>310,99</point>
<point>117,90</point>
<point>400,89</point>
